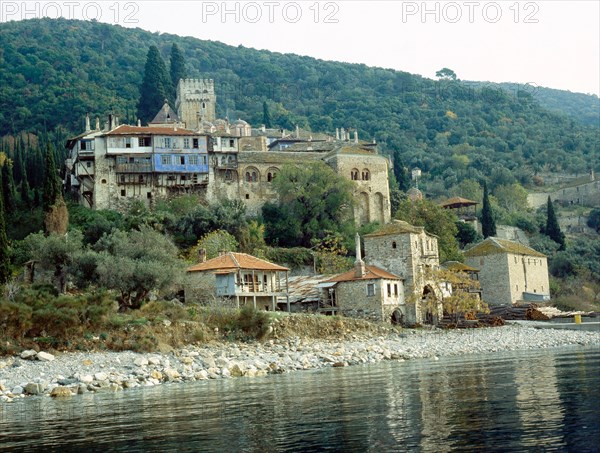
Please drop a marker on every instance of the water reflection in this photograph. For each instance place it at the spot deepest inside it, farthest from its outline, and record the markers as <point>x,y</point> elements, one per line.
<point>506,402</point>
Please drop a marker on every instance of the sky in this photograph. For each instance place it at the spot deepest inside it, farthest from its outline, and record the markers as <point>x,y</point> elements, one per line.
<point>551,43</point>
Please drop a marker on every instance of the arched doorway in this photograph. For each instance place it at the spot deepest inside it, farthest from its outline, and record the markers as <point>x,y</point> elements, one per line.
<point>397,317</point>
<point>428,305</point>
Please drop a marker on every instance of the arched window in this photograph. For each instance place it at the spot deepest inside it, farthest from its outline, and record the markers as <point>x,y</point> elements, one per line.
<point>365,175</point>
<point>248,177</point>
<point>254,176</point>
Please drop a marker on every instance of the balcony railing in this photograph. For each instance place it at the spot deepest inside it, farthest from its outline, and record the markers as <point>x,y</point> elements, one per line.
<point>133,168</point>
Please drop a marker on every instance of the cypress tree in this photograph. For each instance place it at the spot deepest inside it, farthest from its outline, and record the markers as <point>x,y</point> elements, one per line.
<point>177,67</point>
<point>553,230</point>
<point>4,250</point>
<point>155,88</point>
<point>401,173</point>
<point>52,184</point>
<point>267,121</point>
<point>488,225</point>
<point>8,188</point>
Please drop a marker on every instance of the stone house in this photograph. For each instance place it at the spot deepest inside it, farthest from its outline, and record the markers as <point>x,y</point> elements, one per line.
<point>239,278</point>
<point>509,272</point>
<point>412,254</point>
<point>364,292</point>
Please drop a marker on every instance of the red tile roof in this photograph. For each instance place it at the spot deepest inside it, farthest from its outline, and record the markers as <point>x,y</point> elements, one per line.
<point>456,202</point>
<point>232,261</point>
<point>372,273</point>
<point>146,130</point>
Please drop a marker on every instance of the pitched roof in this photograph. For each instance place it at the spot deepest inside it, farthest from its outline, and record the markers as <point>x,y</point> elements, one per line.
<point>372,273</point>
<point>232,261</point>
<point>146,130</point>
<point>457,202</point>
<point>458,266</point>
<point>396,227</point>
<point>493,246</point>
<point>165,115</point>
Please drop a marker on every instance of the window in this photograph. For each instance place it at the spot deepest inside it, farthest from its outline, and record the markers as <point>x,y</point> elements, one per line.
<point>88,164</point>
<point>270,177</point>
<point>354,175</point>
<point>228,175</point>
<point>231,143</point>
<point>127,142</point>
<point>144,142</point>
<point>389,290</point>
<point>186,142</point>
<point>141,178</point>
<point>365,175</point>
<point>254,176</point>
<point>247,196</point>
<point>195,143</point>
<point>194,160</point>
<point>515,260</point>
<point>167,142</point>
<point>123,178</point>
<point>395,289</point>
<point>165,160</point>
<point>86,145</point>
<point>181,160</point>
<point>394,245</point>
<point>148,195</point>
<point>370,289</point>
<point>122,192</point>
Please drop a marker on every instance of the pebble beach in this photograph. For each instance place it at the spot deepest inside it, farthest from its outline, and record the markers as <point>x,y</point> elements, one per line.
<point>67,374</point>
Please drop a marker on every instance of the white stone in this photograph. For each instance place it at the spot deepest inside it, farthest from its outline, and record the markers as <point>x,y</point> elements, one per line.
<point>45,357</point>
<point>101,376</point>
<point>87,379</point>
<point>141,361</point>
<point>29,354</point>
<point>154,360</point>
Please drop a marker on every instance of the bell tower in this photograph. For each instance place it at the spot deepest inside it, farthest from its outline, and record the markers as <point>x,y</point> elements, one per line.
<point>196,101</point>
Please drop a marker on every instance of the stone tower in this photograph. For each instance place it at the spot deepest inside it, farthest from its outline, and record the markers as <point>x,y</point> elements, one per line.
<point>196,101</point>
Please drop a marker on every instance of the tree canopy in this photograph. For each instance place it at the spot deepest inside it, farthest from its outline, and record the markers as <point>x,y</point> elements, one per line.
<point>313,199</point>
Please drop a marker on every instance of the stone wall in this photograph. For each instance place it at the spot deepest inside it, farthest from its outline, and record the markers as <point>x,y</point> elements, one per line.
<point>409,256</point>
<point>353,301</point>
<point>370,174</point>
<point>505,276</point>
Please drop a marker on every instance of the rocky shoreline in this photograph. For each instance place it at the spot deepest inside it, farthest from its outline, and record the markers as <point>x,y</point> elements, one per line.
<point>68,374</point>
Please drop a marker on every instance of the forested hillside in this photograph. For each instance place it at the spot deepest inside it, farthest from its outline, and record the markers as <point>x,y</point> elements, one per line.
<point>54,71</point>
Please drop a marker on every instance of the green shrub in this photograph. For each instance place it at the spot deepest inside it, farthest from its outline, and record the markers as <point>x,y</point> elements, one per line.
<point>250,323</point>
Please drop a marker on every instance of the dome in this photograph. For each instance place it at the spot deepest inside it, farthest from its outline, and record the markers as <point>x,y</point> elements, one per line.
<point>240,122</point>
<point>414,194</point>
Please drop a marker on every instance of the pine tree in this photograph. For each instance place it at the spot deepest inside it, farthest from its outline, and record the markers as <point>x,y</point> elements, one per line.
<point>488,225</point>
<point>553,230</point>
<point>52,184</point>
<point>267,121</point>
<point>177,66</point>
<point>4,250</point>
<point>155,88</point>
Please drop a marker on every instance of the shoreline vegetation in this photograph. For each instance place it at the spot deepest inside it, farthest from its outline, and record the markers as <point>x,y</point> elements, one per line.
<point>289,343</point>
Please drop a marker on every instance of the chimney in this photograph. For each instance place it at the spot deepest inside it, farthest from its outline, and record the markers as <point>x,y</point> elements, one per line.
<point>297,131</point>
<point>97,123</point>
<point>88,128</point>
<point>359,265</point>
<point>337,133</point>
<point>342,134</point>
<point>139,123</point>
<point>116,121</point>
<point>110,122</point>
<point>202,255</point>
<point>355,136</point>
<point>263,128</point>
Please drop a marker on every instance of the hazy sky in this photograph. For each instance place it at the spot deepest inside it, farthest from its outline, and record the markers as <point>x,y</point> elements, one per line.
<point>548,43</point>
